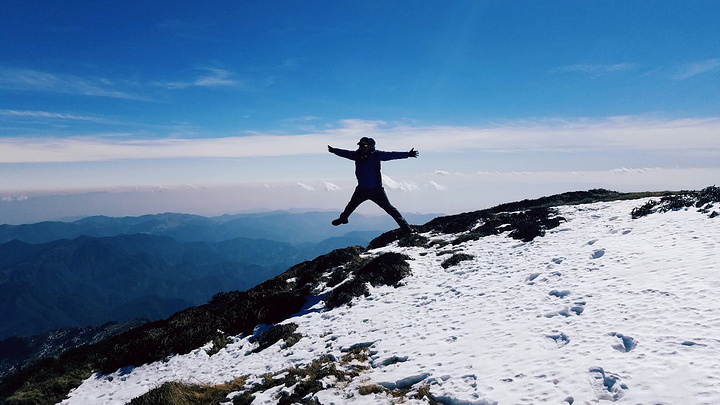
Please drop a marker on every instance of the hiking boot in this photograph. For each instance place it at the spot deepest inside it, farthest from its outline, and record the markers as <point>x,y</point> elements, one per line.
<point>404,225</point>
<point>339,221</point>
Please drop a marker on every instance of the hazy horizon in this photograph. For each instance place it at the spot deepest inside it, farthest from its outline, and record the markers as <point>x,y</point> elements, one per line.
<point>449,191</point>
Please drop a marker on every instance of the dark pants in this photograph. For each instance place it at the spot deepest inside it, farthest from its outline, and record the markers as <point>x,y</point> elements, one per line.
<point>378,196</point>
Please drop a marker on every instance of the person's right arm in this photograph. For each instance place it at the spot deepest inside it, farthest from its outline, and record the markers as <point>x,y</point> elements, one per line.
<point>348,154</point>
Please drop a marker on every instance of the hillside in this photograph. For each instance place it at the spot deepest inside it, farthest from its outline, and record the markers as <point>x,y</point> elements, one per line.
<point>60,276</point>
<point>575,298</point>
<point>17,351</point>
<point>89,280</point>
<point>100,269</point>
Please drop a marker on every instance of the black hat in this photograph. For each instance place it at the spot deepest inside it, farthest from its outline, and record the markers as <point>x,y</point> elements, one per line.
<point>367,141</point>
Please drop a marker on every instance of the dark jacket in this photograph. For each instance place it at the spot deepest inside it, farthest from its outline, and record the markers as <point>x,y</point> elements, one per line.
<point>367,169</point>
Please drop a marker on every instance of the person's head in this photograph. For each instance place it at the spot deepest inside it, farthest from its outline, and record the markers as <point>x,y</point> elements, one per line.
<point>366,145</point>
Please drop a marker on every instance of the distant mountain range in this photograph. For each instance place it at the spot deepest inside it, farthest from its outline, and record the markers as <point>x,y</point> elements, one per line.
<point>100,269</point>
<point>280,226</point>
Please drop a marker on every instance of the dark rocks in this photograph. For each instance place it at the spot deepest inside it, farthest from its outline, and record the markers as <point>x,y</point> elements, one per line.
<point>386,269</point>
<point>703,200</point>
<point>525,220</point>
<point>455,259</point>
<point>285,332</point>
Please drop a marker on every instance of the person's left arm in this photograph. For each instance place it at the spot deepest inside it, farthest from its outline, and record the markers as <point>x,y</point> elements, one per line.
<point>398,155</point>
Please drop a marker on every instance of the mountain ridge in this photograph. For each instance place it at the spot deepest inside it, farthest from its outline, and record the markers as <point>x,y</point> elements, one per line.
<point>153,265</point>
<point>281,226</point>
<point>278,298</point>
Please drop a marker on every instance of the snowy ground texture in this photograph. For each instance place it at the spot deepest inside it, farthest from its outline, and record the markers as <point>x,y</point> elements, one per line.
<point>602,308</point>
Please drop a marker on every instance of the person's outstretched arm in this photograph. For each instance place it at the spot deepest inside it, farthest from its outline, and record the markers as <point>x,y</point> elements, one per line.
<point>348,154</point>
<point>398,155</point>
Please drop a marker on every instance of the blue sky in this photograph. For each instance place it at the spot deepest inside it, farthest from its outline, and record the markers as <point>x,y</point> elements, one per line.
<point>135,97</point>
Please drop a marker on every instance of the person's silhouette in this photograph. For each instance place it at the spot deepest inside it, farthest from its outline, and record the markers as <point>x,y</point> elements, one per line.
<point>367,170</point>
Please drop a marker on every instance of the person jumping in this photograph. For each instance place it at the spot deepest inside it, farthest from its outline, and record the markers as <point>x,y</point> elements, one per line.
<point>367,170</point>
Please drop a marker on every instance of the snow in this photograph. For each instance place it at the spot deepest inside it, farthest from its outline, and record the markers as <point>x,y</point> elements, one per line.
<point>602,308</point>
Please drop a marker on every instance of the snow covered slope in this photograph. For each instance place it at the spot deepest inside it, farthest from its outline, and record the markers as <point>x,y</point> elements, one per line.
<point>601,308</point>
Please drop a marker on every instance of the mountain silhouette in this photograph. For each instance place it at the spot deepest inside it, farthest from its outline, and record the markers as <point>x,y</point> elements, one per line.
<point>280,226</point>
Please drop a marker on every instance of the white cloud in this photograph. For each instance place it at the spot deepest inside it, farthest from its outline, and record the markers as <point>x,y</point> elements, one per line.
<point>32,80</point>
<point>442,172</point>
<point>437,186</point>
<point>43,114</point>
<point>625,170</point>
<point>612,134</point>
<point>54,116</point>
<point>694,69</point>
<point>216,77</point>
<point>595,69</point>
<point>208,77</point>
<point>331,187</point>
<point>305,186</point>
<point>398,185</point>
<point>304,118</point>
<point>13,198</point>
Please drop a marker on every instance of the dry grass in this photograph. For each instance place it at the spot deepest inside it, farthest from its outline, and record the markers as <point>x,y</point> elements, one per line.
<point>219,343</point>
<point>177,393</point>
<point>424,392</point>
<point>400,393</point>
<point>33,392</point>
<point>372,389</point>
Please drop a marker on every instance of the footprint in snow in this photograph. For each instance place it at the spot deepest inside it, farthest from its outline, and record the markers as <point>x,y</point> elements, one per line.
<point>576,309</point>
<point>559,294</point>
<point>560,339</point>
<point>531,278</point>
<point>608,385</point>
<point>626,343</point>
<point>622,232</point>
<point>404,382</point>
<point>375,363</point>
<point>597,254</point>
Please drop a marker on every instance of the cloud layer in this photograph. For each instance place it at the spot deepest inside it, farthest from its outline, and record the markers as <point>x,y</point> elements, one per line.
<point>596,69</point>
<point>562,135</point>
<point>427,193</point>
<point>34,80</point>
<point>694,69</point>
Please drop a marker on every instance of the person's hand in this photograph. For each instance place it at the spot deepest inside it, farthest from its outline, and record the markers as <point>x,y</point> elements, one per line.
<point>331,149</point>
<point>413,153</point>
